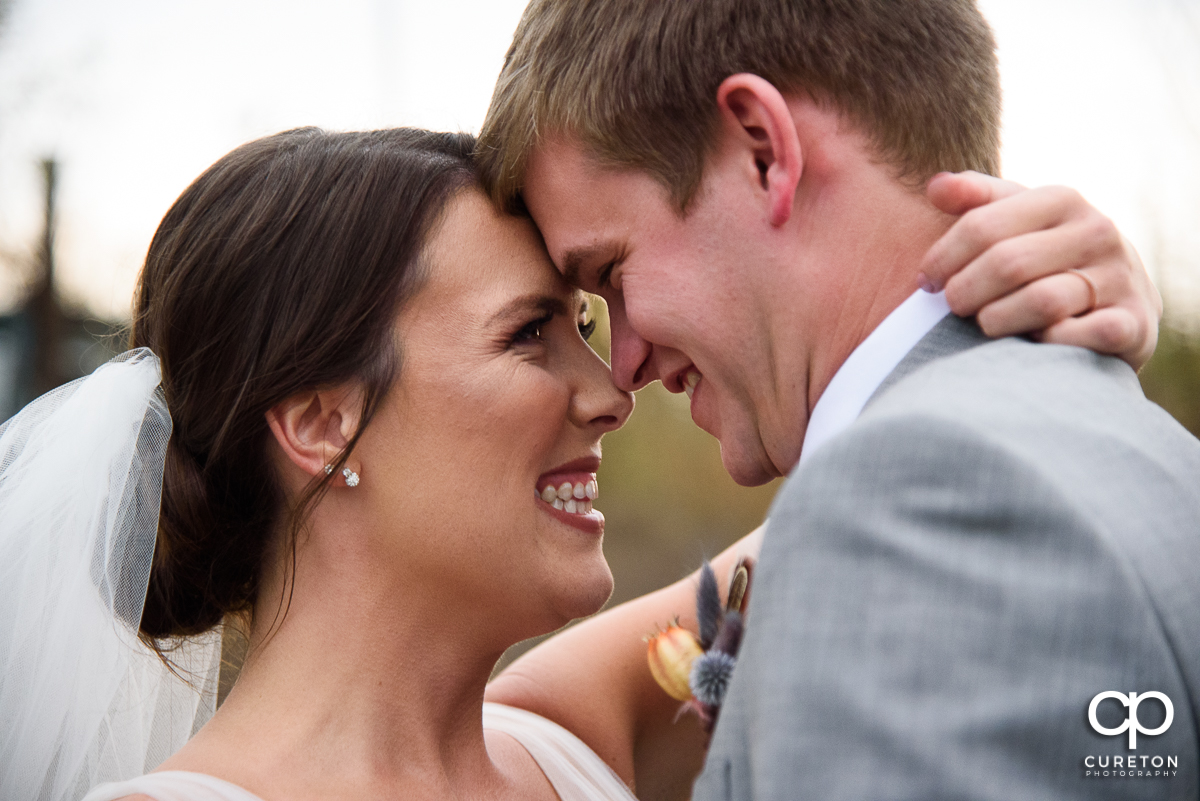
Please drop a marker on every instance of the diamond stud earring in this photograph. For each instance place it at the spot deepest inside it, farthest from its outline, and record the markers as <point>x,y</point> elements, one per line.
<point>350,476</point>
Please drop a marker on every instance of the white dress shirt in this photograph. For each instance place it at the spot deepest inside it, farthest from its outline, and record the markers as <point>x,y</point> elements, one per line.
<point>870,363</point>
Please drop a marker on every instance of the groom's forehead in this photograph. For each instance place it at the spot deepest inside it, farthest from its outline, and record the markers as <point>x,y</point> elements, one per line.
<point>580,206</point>
<point>584,207</point>
<point>563,164</point>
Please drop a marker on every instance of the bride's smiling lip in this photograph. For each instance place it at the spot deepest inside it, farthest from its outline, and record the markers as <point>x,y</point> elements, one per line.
<point>566,493</point>
<point>584,464</point>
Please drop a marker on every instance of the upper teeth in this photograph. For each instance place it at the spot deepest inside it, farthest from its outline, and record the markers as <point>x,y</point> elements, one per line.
<point>575,498</point>
<point>690,382</point>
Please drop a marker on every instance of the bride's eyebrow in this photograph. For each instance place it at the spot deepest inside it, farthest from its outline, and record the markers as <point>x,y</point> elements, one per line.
<point>521,307</point>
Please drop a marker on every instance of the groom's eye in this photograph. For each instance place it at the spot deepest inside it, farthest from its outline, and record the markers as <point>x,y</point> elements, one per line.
<point>604,276</point>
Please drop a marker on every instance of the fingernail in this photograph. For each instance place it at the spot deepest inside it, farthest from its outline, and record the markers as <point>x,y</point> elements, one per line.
<point>927,285</point>
<point>939,175</point>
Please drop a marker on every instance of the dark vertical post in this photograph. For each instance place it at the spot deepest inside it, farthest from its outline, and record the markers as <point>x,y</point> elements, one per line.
<point>44,310</point>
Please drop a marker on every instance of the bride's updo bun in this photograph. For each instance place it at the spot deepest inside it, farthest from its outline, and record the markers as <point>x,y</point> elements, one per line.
<point>280,270</point>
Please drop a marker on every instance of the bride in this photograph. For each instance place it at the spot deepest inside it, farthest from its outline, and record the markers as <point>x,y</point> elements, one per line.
<point>379,391</point>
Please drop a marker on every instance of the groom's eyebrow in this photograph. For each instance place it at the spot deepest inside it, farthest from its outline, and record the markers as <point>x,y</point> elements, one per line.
<point>575,258</point>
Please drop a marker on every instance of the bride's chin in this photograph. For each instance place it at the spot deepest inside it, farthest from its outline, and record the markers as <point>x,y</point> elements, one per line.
<point>545,606</point>
<point>599,595</point>
<point>584,595</point>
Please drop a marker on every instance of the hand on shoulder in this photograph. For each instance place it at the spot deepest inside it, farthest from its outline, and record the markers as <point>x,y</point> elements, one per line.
<point>1041,261</point>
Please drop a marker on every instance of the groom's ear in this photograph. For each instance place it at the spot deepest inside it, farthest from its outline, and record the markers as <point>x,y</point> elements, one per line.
<point>758,123</point>
<point>312,428</point>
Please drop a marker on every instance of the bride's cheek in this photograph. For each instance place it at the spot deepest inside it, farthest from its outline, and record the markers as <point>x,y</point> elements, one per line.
<point>534,403</point>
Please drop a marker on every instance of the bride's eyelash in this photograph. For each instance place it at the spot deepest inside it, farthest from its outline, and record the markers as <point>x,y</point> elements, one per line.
<point>532,330</point>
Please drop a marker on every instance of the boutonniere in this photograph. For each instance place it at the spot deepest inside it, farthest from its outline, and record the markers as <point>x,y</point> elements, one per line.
<point>697,670</point>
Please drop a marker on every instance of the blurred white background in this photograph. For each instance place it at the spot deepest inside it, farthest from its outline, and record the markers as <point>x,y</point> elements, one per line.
<point>136,97</point>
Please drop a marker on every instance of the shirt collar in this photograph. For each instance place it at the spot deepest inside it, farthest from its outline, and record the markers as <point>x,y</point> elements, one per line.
<point>876,356</point>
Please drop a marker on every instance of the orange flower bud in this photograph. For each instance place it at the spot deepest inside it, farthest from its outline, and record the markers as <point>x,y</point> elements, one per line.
<point>670,654</point>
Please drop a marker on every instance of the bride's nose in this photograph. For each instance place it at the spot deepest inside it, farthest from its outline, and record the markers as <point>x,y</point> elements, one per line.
<point>596,402</point>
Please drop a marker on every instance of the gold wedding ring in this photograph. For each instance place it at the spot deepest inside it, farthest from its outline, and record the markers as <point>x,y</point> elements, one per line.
<point>1091,289</point>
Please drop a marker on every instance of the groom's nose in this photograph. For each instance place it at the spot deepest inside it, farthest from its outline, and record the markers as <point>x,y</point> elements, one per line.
<point>635,361</point>
<point>630,354</point>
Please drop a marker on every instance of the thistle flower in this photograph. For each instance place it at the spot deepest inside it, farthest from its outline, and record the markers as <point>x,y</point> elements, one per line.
<point>671,653</point>
<point>710,677</point>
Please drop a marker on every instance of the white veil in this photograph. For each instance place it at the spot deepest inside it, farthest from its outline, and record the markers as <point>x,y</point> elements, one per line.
<point>82,700</point>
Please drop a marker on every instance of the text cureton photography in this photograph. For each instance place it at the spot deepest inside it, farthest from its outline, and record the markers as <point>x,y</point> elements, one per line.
<point>1130,766</point>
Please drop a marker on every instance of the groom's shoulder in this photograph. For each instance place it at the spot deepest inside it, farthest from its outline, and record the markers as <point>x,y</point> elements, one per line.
<point>1033,399</point>
<point>1002,418</point>
<point>1012,443</point>
<point>1013,377</point>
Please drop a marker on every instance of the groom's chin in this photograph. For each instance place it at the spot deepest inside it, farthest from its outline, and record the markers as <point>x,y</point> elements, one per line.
<point>747,467</point>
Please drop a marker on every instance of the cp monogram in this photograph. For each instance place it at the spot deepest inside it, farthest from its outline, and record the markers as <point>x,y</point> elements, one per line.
<point>1131,723</point>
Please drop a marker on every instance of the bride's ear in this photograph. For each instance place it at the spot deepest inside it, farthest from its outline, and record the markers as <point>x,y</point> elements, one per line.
<point>313,428</point>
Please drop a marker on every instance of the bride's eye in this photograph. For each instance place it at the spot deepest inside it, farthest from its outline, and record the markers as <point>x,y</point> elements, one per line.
<point>587,323</point>
<point>532,331</point>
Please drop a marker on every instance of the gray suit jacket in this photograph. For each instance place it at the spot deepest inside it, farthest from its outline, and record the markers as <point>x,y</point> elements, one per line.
<point>1008,530</point>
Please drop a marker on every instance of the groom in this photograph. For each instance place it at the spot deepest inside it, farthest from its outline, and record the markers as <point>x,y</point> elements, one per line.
<point>978,539</point>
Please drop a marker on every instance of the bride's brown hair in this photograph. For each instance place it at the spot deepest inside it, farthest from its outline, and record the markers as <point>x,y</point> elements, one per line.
<point>280,269</point>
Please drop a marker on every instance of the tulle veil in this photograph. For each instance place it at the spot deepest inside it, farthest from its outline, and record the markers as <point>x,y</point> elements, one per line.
<point>82,699</point>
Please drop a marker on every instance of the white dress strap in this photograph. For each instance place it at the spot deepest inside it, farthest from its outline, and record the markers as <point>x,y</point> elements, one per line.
<point>576,771</point>
<point>173,785</point>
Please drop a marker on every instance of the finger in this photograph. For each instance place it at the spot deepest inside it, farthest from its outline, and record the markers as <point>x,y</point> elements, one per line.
<point>1036,307</point>
<point>979,229</point>
<point>1143,287</point>
<point>1113,330</point>
<point>958,193</point>
<point>1011,264</point>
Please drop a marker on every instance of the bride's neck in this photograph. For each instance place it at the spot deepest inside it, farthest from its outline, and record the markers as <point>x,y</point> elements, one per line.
<point>368,680</point>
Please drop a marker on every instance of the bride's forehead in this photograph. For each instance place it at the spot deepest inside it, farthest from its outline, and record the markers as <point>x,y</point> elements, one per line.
<point>477,248</point>
<point>484,284</point>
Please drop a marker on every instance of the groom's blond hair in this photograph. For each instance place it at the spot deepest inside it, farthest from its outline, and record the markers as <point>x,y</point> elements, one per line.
<point>635,81</point>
